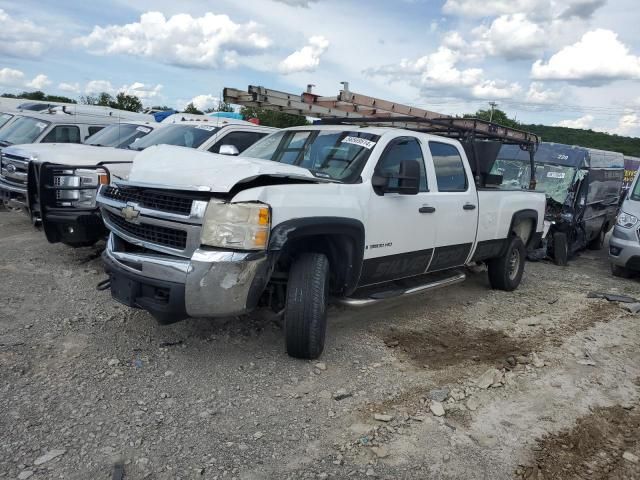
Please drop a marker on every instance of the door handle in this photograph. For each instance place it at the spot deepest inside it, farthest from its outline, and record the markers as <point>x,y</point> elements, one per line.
<point>469,206</point>
<point>427,209</point>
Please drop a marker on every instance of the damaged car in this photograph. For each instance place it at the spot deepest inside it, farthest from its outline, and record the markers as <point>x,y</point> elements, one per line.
<point>582,187</point>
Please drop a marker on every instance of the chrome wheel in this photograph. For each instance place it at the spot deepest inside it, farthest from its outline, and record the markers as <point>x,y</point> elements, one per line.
<point>514,264</point>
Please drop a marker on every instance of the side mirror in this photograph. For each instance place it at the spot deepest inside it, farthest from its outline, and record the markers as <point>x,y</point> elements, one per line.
<point>228,150</point>
<point>406,182</point>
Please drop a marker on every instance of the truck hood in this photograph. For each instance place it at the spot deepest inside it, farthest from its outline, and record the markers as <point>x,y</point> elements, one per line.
<point>183,168</point>
<point>71,154</point>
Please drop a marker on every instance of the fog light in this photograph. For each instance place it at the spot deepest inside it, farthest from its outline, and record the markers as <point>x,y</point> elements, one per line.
<point>615,251</point>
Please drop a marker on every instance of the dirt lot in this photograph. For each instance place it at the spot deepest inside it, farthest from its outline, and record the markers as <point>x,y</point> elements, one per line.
<point>539,383</point>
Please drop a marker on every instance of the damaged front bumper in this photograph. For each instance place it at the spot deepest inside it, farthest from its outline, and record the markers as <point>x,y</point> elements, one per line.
<point>13,196</point>
<point>213,283</point>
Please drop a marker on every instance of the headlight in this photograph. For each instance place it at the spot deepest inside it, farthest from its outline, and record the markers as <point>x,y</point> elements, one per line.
<point>86,183</point>
<point>242,226</point>
<point>626,220</point>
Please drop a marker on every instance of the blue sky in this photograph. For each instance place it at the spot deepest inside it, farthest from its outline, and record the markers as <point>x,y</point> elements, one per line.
<point>570,62</point>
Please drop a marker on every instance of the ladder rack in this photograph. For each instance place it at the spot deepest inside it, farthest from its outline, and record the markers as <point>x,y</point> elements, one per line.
<point>353,108</point>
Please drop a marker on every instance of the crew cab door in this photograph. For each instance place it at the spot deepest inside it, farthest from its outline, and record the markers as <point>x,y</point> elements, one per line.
<point>400,229</point>
<point>456,202</point>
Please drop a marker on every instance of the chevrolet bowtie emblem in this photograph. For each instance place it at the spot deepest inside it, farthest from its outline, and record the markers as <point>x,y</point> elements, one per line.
<point>130,213</point>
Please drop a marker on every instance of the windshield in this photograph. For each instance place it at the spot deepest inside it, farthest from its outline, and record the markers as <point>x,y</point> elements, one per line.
<point>338,155</point>
<point>4,118</point>
<point>191,136</point>
<point>119,136</point>
<point>554,180</point>
<point>23,130</point>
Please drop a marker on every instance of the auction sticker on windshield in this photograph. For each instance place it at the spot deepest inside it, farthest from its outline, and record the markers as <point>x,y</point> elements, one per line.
<point>208,128</point>
<point>41,125</point>
<point>143,129</point>
<point>555,174</point>
<point>363,142</point>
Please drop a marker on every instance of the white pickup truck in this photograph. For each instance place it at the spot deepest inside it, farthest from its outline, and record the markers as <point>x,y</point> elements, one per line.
<point>59,181</point>
<point>359,214</point>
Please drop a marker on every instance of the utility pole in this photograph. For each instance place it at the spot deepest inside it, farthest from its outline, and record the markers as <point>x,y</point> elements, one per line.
<point>493,106</point>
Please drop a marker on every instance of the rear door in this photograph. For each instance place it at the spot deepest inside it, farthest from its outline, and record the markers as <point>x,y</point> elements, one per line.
<point>456,202</point>
<point>401,229</point>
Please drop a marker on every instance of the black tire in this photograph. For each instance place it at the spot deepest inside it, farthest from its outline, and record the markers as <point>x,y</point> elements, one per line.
<point>598,242</point>
<point>560,249</point>
<point>505,273</point>
<point>305,317</point>
<point>620,272</point>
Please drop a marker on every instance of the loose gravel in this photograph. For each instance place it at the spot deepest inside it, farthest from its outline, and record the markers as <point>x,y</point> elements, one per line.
<point>465,382</point>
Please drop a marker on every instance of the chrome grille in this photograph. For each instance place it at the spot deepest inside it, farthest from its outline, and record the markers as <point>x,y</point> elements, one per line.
<point>168,237</point>
<point>13,169</point>
<point>153,199</point>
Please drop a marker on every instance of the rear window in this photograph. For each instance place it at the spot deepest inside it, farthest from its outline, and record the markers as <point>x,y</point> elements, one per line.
<point>63,134</point>
<point>450,173</point>
<point>191,136</point>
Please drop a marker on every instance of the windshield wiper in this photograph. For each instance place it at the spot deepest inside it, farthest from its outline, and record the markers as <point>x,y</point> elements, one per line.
<point>5,143</point>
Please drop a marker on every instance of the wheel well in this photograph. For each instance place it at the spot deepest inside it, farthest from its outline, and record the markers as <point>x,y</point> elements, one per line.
<point>342,250</point>
<point>524,224</point>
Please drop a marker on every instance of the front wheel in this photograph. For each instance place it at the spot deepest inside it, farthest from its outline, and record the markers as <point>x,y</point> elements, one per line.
<point>305,316</point>
<point>505,273</point>
<point>620,272</point>
<point>560,249</point>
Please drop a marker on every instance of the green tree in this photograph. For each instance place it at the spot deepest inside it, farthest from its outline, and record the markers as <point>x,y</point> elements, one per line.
<point>38,95</point>
<point>130,103</point>
<point>499,117</point>
<point>271,118</point>
<point>191,108</point>
<point>163,107</point>
<point>103,99</point>
<point>221,107</point>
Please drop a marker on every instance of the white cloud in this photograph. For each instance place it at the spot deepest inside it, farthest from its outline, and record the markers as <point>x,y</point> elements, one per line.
<point>69,87</point>
<point>538,94</point>
<point>142,91</point>
<point>629,124</point>
<point>512,37</point>
<point>183,40</point>
<point>495,89</point>
<point>487,8</point>
<point>439,73</point>
<point>205,102</point>
<point>10,77</point>
<point>39,82</point>
<point>99,86</point>
<point>454,41</point>
<point>598,58</point>
<point>583,122</point>
<point>297,3</point>
<point>307,58</point>
<point>22,38</point>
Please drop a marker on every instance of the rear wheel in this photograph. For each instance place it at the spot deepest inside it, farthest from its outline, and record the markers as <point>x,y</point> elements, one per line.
<point>505,273</point>
<point>305,317</point>
<point>560,249</point>
<point>620,272</point>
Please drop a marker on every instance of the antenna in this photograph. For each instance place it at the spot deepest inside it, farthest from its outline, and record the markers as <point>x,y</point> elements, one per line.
<point>493,105</point>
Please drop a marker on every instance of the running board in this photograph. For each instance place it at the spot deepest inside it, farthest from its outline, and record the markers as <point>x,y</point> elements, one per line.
<point>398,292</point>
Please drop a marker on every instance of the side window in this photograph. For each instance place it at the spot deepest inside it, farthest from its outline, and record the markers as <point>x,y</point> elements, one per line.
<point>241,140</point>
<point>449,167</point>
<point>63,134</point>
<point>93,130</point>
<point>405,148</point>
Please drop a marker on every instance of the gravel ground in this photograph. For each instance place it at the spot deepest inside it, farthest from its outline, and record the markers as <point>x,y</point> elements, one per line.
<point>461,383</point>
